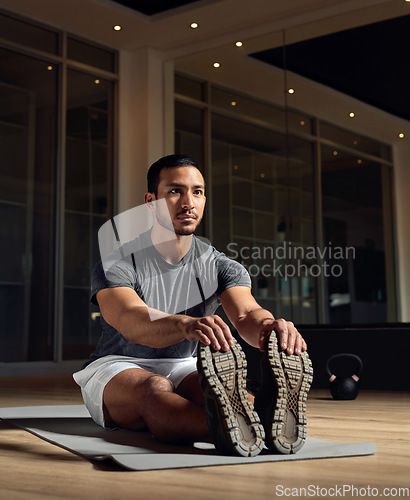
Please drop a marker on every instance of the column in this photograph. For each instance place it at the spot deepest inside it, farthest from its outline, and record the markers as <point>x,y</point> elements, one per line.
<point>145,121</point>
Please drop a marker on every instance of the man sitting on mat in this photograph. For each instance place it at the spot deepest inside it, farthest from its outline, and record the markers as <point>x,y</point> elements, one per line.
<point>165,362</point>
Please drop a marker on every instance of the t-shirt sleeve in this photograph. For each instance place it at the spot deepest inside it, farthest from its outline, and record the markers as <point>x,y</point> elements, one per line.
<point>231,273</point>
<point>120,274</point>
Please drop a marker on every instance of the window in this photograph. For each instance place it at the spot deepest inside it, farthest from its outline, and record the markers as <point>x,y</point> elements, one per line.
<point>315,243</point>
<point>99,57</point>
<point>262,207</point>
<point>29,34</point>
<point>51,205</point>
<point>354,191</point>
<point>28,124</point>
<point>88,175</point>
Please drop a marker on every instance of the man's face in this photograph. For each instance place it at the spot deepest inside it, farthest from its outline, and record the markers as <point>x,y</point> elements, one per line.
<point>184,191</point>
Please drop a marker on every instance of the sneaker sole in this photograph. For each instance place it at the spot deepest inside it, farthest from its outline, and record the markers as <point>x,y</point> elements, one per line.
<point>286,426</point>
<point>223,375</point>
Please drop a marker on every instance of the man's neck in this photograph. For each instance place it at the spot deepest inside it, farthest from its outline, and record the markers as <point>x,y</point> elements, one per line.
<point>171,246</point>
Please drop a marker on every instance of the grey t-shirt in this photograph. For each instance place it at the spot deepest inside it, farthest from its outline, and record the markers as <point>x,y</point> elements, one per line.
<point>193,287</point>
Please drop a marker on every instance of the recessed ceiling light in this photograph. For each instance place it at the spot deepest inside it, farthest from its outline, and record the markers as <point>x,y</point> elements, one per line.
<point>50,68</point>
<point>352,115</point>
<point>335,153</point>
<point>401,135</point>
<point>359,161</point>
<point>217,65</point>
<point>239,44</point>
<point>302,122</point>
<point>291,91</point>
<point>97,82</point>
<point>117,27</point>
<point>233,103</point>
<point>194,26</point>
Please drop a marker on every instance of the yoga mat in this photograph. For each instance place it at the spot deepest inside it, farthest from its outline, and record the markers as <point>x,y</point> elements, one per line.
<point>72,428</point>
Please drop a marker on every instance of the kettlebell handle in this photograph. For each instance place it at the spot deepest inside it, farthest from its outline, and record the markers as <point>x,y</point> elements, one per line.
<point>358,371</point>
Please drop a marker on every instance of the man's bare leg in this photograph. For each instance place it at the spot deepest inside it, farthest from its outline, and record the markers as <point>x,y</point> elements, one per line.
<point>136,398</point>
<point>190,389</point>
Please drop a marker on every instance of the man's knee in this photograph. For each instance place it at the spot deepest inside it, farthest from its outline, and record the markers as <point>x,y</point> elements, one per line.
<point>126,396</point>
<point>157,384</point>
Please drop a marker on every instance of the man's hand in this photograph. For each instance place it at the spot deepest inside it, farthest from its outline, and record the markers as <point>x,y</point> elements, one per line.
<point>254,323</point>
<point>290,340</point>
<point>209,330</point>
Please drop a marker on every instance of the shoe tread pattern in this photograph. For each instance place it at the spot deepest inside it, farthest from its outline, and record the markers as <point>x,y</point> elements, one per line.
<point>293,375</point>
<point>225,375</point>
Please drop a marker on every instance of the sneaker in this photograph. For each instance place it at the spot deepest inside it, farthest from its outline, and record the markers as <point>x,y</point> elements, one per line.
<point>281,400</point>
<point>232,421</point>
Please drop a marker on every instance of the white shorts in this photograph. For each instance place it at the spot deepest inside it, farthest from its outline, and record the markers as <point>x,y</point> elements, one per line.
<point>93,378</point>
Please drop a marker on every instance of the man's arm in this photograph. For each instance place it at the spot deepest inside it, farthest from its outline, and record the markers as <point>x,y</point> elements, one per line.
<point>125,311</point>
<point>254,323</point>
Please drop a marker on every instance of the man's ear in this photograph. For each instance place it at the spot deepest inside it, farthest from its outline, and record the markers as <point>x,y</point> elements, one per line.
<point>148,199</point>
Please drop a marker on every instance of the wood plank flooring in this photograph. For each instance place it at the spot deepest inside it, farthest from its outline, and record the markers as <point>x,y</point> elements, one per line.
<point>31,468</point>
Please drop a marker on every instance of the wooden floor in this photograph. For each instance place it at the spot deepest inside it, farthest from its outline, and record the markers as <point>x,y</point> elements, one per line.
<point>34,469</point>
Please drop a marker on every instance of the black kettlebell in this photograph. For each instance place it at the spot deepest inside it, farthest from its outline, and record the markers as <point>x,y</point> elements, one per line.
<point>342,387</point>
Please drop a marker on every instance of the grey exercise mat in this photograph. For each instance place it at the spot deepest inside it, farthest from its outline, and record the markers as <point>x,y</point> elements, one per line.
<point>72,428</point>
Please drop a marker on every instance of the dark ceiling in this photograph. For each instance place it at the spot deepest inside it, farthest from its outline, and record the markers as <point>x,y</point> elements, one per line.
<point>369,63</point>
<point>150,7</point>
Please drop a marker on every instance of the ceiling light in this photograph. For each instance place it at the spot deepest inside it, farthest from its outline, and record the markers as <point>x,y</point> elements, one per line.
<point>302,122</point>
<point>359,161</point>
<point>352,115</point>
<point>194,26</point>
<point>217,65</point>
<point>335,153</point>
<point>50,68</point>
<point>117,27</point>
<point>97,82</point>
<point>239,44</point>
<point>291,91</point>
<point>401,135</point>
<point>233,103</point>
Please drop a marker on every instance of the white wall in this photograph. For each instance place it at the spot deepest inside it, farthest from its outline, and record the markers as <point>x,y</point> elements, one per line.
<point>145,90</point>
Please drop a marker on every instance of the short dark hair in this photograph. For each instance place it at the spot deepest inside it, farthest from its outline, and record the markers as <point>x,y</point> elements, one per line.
<point>167,162</point>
